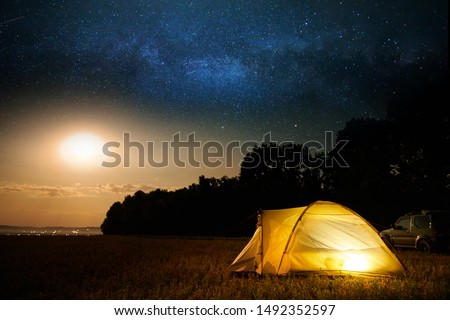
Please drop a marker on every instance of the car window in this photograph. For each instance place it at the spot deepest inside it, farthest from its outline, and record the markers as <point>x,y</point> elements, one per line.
<point>422,222</point>
<point>403,222</point>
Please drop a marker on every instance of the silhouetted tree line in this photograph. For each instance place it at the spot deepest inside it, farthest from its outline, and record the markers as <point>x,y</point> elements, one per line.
<point>396,165</point>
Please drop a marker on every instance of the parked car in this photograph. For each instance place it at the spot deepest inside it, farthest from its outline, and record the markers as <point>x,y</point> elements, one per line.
<point>426,231</point>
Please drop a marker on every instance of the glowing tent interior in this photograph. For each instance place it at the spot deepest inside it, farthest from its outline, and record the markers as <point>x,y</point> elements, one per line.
<point>324,237</point>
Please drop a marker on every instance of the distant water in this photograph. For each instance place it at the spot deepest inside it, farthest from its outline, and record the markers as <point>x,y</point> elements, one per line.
<point>49,231</point>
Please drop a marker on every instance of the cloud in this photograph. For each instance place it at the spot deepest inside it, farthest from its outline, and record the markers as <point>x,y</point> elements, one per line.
<point>76,190</point>
<point>124,188</point>
<point>10,189</point>
<point>42,191</point>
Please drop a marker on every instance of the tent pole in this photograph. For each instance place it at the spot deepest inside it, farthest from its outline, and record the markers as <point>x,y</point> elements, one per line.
<point>292,233</point>
<point>260,222</point>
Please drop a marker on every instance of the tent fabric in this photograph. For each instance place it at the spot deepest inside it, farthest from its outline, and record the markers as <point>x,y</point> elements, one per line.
<point>324,237</point>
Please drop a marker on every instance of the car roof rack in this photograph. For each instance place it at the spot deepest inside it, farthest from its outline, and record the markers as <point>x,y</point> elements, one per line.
<point>426,211</point>
<point>430,211</point>
<point>413,213</point>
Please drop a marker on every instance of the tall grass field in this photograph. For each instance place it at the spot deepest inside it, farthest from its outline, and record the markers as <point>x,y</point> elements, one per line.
<point>114,267</point>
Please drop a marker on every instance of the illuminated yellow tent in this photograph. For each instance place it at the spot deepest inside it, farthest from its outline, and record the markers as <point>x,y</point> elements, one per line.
<point>324,237</point>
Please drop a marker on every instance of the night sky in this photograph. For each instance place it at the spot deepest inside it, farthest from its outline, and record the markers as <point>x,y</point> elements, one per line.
<point>222,69</point>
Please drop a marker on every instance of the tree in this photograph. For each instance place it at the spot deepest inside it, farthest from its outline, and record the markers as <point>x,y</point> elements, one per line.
<point>278,175</point>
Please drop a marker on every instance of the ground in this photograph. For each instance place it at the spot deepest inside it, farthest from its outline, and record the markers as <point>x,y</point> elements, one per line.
<point>120,267</point>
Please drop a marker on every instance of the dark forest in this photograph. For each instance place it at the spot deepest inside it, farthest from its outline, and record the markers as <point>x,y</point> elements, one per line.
<point>395,165</point>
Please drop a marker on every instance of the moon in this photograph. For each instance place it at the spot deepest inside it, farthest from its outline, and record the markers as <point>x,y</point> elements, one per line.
<point>81,150</point>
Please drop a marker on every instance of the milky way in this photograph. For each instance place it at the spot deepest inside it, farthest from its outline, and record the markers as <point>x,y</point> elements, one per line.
<point>269,65</point>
